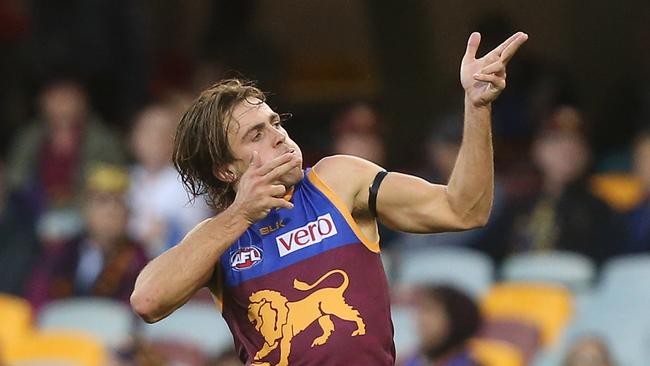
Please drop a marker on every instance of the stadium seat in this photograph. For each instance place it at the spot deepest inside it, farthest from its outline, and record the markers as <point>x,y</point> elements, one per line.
<point>572,270</point>
<point>548,307</point>
<point>464,268</point>
<point>108,320</point>
<point>406,333</point>
<point>627,275</point>
<point>523,336</point>
<point>489,352</point>
<point>617,311</point>
<point>621,191</point>
<point>196,323</point>
<point>15,319</point>
<point>56,348</point>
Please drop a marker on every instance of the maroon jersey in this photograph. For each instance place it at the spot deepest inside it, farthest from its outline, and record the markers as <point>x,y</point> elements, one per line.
<point>304,286</point>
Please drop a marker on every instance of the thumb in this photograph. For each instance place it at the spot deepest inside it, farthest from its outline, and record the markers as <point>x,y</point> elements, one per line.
<point>472,46</point>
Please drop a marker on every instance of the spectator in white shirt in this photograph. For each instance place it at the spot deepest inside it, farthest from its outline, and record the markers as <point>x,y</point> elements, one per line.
<point>161,211</point>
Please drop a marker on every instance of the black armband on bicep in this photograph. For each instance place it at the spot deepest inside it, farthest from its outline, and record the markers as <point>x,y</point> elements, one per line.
<point>374,189</point>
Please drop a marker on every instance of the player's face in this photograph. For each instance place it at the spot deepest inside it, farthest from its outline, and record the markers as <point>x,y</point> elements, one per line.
<point>256,127</point>
<point>563,158</point>
<point>106,217</point>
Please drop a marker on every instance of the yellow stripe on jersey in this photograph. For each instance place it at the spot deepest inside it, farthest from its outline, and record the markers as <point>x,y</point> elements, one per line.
<point>327,191</point>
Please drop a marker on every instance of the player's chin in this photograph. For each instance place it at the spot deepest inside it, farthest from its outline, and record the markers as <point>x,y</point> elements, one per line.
<point>294,176</point>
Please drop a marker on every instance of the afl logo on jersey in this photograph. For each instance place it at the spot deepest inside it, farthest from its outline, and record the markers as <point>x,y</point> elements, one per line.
<point>245,258</point>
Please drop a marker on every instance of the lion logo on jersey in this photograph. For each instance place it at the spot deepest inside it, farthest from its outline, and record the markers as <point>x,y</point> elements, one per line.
<point>279,320</point>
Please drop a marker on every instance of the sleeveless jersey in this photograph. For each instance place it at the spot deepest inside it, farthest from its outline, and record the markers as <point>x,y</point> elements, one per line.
<point>304,286</point>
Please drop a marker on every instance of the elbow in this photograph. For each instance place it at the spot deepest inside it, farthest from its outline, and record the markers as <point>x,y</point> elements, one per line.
<point>475,221</point>
<point>480,221</point>
<point>146,306</point>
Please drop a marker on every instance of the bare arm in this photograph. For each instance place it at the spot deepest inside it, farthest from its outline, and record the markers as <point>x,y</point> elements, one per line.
<point>169,280</point>
<point>465,202</point>
<point>412,204</point>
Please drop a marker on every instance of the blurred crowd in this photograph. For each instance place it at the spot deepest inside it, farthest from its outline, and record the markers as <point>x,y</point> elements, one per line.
<point>88,193</point>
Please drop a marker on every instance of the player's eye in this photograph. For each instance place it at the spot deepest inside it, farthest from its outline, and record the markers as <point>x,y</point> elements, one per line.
<point>257,136</point>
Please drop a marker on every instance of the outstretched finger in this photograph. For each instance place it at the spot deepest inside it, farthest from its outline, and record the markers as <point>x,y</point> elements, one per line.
<point>278,161</point>
<point>496,67</point>
<point>512,48</point>
<point>500,48</point>
<point>281,170</point>
<point>472,46</point>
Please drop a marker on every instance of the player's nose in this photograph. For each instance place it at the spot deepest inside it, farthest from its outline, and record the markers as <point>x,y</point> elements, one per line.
<point>279,138</point>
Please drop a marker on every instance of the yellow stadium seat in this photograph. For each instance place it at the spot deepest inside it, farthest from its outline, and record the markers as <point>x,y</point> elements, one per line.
<point>621,191</point>
<point>548,307</point>
<point>15,319</point>
<point>489,352</point>
<point>54,347</point>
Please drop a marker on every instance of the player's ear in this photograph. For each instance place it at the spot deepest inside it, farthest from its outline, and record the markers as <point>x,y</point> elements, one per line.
<point>225,173</point>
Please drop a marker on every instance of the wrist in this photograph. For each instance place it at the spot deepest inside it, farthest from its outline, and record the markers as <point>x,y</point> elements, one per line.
<point>237,217</point>
<point>477,105</point>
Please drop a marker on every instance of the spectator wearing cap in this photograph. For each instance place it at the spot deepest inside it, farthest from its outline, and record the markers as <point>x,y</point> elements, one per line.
<point>562,213</point>
<point>103,261</point>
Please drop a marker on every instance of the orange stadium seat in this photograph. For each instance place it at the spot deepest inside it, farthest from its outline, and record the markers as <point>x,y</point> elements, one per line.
<point>50,348</point>
<point>523,336</point>
<point>490,352</point>
<point>548,307</point>
<point>15,319</point>
<point>621,191</point>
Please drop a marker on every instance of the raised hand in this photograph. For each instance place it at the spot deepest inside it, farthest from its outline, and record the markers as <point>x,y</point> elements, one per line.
<point>259,191</point>
<point>484,78</point>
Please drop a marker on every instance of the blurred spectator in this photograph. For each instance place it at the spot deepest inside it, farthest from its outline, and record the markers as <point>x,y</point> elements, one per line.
<point>563,214</point>
<point>50,158</point>
<point>161,213</point>
<point>588,351</point>
<point>357,132</point>
<point>639,218</point>
<point>18,244</point>
<point>103,261</point>
<point>447,318</point>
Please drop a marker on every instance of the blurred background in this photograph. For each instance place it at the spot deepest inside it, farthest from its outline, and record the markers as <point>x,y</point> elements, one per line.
<point>92,91</point>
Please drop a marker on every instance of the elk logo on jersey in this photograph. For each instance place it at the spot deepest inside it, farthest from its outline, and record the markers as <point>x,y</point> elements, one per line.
<point>279,320</point>
<point>312,233</point>
<point>245,258</point>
